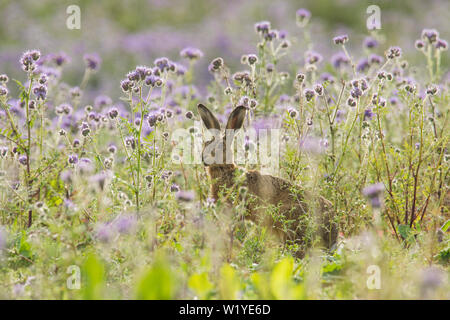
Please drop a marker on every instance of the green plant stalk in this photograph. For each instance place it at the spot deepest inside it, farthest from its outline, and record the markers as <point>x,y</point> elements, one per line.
<point>409,166</point>
<point>430,62</point>
<point>438,63</point>
<point>350,59</point>
<point>138,184</point>
<point>28,153</point>
<point>416,176</point>
<point>330,124</point>
<point>126,151</point>
<point>344,149</point>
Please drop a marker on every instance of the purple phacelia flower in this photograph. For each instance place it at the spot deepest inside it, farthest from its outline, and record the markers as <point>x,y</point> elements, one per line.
<point>85,165</point>
<point>126,85</point>
<point>262,27</point>
<point>313,57</point>
<point>104,232</point>
<point>174,188</point>
<point>318,88</point>
<point>393,101</point>
<point>185,196</point>
<point>191,53</point>
<point>153,81</point>
<point>368,114</point>
<point>189,115</point>
<point>60,58</point>
<point>373,192</point>
<point>362,65</point>
<point>431,279</point>
<point>432,90</point>
<point>356,92</point>
<point>4,78</point>
<point>339,59</point>
<point>282,34</point>
<point>29,59</point>
<point>76,143</point>
<point>340,116</point>
<point>113,113</point>
<point>292,113</point>
<point>130,141</point>
<point>284,98</point>
<point>23,159</point>
<point>393,52</point>
<point>85,129</point>
<point>40,92</point>
<point>302,17</point>
<point>163,64</point>
<point>431,35</point>
<point>342,39</point>
<point>125,224</point>
<point>72,159</point>
<point>441,45</point>
<point>252,59</point>
<point>133,75</point>
<point>326,77</point>
<point>102,101</point>
<point>143,72</point>
<point>3,152</point>
<point>92,61</point>
<point>66,108</point>
<point>351,102</point>
<point>370,43</point>
<point>100,179</point>
<point>375,59</point>
<point>43,79</point>
<point>3,91</point>
<point>181,70</point>
<point>313,145</point>
<point>309,94</point>
<point>419,44</point>
<point>269,36</point>
<point>112,148</point>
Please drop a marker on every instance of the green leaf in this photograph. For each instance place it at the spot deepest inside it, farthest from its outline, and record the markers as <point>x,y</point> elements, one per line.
<point>445,226</point>
<point>282,284</point>
<point>200,284</point>
<point>19,84</point>
<point>157,283</point>
<point>94,271</point>
<point>229,283</point>
<point>24,246</point>
<point>406,232</point>
<point>260,283</point>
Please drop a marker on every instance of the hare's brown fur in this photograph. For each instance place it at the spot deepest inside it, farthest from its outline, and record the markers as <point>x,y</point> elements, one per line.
<point>222,176</point>
<point>267,190</point>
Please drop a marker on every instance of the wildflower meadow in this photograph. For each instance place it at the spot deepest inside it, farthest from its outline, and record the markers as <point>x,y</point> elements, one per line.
<point>291,160</point>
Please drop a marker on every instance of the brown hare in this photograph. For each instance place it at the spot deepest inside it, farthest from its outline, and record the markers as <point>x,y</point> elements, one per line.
<point>265,190</point>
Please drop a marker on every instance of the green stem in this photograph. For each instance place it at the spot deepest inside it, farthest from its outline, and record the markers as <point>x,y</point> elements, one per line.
<point>28,153</point>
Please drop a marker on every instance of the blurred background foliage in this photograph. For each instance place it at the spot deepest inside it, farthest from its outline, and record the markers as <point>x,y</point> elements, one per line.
<point>126,33</point>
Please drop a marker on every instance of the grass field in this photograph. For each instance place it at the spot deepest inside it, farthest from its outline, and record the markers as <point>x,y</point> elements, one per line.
<point>105,188</point>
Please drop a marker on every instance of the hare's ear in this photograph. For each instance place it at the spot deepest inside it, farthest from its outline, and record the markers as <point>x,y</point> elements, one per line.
<point>208,117</point>
<point>236,118</point>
